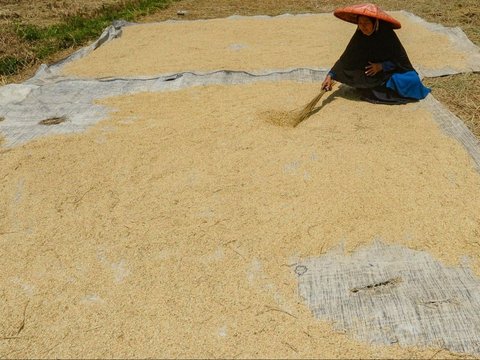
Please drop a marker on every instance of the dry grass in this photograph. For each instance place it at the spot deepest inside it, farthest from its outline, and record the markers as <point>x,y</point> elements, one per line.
<point>461,93</point>
<point>47,12</point>
<point>38,12</point>
<point>37,33</point>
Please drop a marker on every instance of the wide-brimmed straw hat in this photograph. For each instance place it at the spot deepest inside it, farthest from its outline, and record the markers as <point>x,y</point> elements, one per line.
<point>351,13</point>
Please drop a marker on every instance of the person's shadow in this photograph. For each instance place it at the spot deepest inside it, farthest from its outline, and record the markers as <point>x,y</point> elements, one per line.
<point>343,91</point>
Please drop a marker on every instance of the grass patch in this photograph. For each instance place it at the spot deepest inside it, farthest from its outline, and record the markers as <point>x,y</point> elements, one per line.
<point>461,95</point>
<point>73,31</point>
<point>10,65</point>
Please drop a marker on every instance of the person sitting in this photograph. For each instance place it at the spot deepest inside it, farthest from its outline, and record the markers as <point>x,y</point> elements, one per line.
<point>375,62</point>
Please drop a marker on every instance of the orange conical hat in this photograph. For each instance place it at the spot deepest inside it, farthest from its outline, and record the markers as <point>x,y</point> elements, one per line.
<point>350,14</point>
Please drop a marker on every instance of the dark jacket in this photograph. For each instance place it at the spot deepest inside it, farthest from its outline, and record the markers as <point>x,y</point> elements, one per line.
<point>383,46</point>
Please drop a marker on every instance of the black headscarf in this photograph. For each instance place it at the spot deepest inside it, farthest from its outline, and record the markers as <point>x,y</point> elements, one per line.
<point>382,45</point>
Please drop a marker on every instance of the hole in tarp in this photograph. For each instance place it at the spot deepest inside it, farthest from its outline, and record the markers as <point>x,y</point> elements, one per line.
<point>378,286</point>
<point>300,270</point>
<point>53,121</point>
<point>171,78</point>
<point>2,118</point>
<point>438,303</point>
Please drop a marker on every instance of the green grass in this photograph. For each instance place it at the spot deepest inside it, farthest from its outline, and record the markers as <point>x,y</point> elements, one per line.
<point>10,65</point>
<point>73,31</point>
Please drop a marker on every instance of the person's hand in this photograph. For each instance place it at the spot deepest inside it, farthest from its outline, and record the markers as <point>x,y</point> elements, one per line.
<point>327,83</point>
<point>373,68</point>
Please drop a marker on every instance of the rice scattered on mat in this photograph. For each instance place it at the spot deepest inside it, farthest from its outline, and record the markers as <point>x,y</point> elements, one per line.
<point>253,44</point>
<point>281,118</point>
<point>292,118</point>
<point>170,232</point>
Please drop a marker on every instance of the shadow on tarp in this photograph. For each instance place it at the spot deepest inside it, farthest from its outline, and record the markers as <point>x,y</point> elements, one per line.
<point>344,92</point>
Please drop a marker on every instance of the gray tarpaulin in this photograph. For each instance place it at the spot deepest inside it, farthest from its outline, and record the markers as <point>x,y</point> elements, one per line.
<point>383,294</point>
<point>49,94</point>
<point>388,294</point>
<point>457,37</point>
<point>24,106</point>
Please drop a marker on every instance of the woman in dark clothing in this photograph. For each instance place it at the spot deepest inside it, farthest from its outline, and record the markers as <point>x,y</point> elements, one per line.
<point>375,61</point>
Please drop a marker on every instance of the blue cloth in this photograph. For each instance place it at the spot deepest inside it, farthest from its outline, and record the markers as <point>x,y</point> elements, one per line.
<point>408,84</point>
